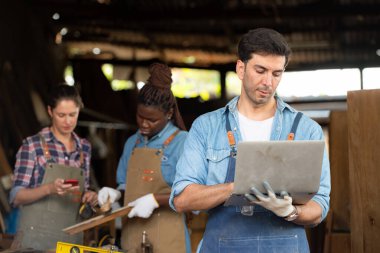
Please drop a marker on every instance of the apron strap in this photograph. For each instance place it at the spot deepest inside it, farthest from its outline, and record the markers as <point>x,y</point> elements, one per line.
<point>45,149</point>
<point>170,138</point>
<point>293,130</point>
<point>230,175</point>
<point>81,158</point>
<point>48,155</point>
<point>230,134</point>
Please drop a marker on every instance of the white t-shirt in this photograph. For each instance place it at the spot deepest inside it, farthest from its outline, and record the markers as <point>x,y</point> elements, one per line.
<point>253,130</point>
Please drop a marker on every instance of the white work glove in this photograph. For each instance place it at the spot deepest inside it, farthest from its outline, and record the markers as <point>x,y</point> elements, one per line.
<point>143,207</point>
<point>282,207</point>
<point>108,194</point>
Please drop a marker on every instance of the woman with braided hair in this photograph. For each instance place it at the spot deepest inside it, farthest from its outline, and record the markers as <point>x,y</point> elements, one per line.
<point>147,168</point>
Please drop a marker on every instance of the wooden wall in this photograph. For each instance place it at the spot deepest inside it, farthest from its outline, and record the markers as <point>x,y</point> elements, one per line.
<point>363,120</point>
<point>28,62</point>
<point>337,237</point>
<point>340,199</point>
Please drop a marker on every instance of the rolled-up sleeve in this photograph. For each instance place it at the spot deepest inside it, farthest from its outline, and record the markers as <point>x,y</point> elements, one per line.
<point>192,165</point>
<point>13,192</point>
<point>25,163</point>
<point>323,195</point>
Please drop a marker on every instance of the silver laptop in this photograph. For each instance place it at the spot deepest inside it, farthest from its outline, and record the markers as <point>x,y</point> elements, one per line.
<point>292,166</point>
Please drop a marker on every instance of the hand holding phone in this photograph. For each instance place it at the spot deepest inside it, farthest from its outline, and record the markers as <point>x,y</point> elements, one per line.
<point>73,182</point>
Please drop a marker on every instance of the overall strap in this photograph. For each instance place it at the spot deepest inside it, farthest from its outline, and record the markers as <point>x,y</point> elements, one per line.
<point>48,155</point>
<point>45,149</point>
<point>230,175</point>
<point>293,130</point>
<point>137,142</point>
<point>81,158</point>
<point>230,134</point>
<point>170,138</point>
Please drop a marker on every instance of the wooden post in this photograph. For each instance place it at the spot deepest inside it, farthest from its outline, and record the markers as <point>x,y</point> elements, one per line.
<point>340,194</point>
<point>364,169</point>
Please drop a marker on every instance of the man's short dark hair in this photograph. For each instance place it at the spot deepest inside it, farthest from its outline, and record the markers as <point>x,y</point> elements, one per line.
<point>263,41</point>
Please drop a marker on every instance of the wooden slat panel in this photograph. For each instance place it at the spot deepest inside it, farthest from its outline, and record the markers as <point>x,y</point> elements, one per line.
<point>340,195</point>
<point>364,173</point>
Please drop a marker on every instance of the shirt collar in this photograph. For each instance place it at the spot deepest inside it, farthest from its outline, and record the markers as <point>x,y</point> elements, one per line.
<point>281,105</point>
<point>167,128</point>
<point>49,137</point>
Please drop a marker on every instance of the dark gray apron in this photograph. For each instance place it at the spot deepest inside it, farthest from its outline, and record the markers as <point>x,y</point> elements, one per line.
<point>41,222</point>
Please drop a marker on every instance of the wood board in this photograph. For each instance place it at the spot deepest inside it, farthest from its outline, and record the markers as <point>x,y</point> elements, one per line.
<point>96,221</point>
<point>363,118</point>
<point>340,194</point>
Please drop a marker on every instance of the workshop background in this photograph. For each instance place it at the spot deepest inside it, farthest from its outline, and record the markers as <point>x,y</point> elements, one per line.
<point>104,47</point>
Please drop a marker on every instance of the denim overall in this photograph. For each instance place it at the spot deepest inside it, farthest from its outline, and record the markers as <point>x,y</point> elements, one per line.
<point>228,230</point>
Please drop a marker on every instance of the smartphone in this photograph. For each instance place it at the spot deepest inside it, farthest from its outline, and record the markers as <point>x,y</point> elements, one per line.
<point>73,182</point>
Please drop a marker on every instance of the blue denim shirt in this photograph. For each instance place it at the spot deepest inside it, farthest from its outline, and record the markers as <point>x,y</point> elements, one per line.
<point>206,150</point>
<point>169,159</point>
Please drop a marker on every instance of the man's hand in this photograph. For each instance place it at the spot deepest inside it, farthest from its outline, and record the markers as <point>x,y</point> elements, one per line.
<point>108,194</point>
<point>282,207</point>
<point>143,207</point>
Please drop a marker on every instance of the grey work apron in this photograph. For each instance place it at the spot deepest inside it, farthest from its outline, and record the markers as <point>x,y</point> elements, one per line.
<point>41,222</point>
<point>165,228</point>
<point>228,231</point>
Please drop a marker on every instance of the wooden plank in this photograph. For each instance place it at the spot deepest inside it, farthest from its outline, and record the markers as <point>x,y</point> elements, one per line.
<point>196,225</point>
<point>328,227</point>
<point>363,120</point>
<point>340,194</point>
<point>340,242</point>
<point>98,220</point>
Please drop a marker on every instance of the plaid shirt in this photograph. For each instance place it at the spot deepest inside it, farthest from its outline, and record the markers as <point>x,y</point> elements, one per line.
<point>30,160</point>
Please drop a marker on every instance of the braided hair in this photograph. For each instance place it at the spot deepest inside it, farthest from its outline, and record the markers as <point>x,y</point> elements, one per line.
<point>157,92</point>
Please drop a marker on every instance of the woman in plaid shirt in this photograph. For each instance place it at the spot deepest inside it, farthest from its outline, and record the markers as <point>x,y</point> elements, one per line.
<point>44,161</point>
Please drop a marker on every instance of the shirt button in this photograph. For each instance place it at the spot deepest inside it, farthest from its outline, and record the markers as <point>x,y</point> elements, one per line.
<point>234,128</point>
<point>66,158</point>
